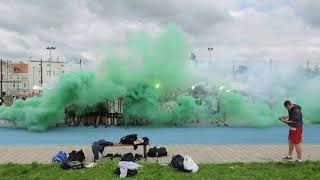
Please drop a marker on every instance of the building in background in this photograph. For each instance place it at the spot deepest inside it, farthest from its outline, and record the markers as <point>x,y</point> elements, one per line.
<point>18,81</point>
<point>51,70</point>
<point>23,78</point>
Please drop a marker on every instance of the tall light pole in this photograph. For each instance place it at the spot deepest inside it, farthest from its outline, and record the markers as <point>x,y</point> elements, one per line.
<point>50,56</point>
<point>210,49</point>
<point>50,49</point>
<point>41,76</point>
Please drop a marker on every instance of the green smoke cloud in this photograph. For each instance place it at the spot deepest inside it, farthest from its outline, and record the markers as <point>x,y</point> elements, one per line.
<point>148,71</point>
<point>152,66</point>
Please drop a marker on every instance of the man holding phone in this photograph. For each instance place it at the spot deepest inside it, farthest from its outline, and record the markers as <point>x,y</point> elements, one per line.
<point>295,123</point>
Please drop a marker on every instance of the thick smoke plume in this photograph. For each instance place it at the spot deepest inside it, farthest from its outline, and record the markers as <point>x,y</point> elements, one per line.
<point>156,79</point>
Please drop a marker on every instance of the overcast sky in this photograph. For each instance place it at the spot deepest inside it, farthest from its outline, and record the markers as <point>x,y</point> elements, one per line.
<point>236,29</point>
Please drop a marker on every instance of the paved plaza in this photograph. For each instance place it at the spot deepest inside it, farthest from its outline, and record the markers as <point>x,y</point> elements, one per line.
<point>200,153</point>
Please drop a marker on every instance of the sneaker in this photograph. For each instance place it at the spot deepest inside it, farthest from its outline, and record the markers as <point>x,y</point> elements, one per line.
<point>299,161</point>
<point>91,165</point>
<point>287,158</point>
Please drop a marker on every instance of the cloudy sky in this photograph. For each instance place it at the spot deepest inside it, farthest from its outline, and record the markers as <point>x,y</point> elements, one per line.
<point>236,29</point>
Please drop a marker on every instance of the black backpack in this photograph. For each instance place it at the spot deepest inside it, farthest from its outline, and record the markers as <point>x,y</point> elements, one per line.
<point>80,156</point>
<point>177,163</point>
<point>72,156</point>
<point>157,152</point>
<point>128,157</point>
<point>76,156</point>
<point>129,139</point>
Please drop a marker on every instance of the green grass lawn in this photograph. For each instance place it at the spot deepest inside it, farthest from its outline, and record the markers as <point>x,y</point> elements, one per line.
<point>105,170</point>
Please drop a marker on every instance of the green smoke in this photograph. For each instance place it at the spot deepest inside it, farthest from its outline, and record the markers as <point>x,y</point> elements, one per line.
<point>241,111</point>
<point>153,65</point>
<point>38,113</point>
<point>146,74</point>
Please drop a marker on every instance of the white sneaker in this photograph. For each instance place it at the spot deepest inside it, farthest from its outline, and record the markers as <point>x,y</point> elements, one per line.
<point>91,165</point>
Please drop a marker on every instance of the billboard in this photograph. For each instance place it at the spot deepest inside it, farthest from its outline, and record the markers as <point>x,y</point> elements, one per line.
<point>20,68</point>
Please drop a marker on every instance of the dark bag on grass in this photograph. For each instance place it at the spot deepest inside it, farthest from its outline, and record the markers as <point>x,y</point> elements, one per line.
<point>72,165</point>
<point>76,156</point>
<point>72,156</point>
<point>80,156</point>
<point>128,157</point>
<point>157,152</point>
<point>129,172</point>
<point>129,139</point>
<point>177,163</point>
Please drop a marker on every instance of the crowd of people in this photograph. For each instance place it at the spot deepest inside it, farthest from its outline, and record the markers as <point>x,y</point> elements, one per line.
<point>8,100</point>
<point>103,113</point>
<point>11,100</point>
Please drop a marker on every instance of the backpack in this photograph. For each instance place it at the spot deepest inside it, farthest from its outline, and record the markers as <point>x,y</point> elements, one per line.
<point>80,156</point>
<point>76,156</point>
<point>72,165</point>
<point>72,155</point>
<point>157,152</point>
<point>128,157</point>
<point>177,163</point>
<point>129,139</point>
<point>60,157</point>
<point>162,151</point>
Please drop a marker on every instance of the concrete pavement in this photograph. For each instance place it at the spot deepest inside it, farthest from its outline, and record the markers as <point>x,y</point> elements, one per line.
<point>200,153</point>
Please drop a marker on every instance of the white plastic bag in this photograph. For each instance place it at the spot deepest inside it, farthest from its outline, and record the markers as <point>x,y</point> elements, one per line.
<point>190,165</point>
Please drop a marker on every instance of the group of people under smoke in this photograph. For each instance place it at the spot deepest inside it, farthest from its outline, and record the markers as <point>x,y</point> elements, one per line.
<point>96,114</point>
<point>8,100</point>
<point>111,113</point>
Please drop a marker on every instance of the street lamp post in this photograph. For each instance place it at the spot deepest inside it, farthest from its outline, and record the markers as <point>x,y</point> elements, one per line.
<point>50,56</point>
<point>210,49</point>
<point>41,75</point>
<point>50,49</point>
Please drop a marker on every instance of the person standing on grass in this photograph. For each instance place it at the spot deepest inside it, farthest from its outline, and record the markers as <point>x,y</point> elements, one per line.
<point>295,123</point>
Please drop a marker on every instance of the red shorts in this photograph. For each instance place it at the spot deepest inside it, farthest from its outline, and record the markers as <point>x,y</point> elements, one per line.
<point>295,136</point>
